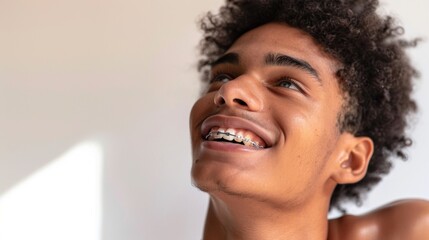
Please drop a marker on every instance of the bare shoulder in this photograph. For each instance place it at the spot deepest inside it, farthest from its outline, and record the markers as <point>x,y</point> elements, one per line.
<point>404,219</point>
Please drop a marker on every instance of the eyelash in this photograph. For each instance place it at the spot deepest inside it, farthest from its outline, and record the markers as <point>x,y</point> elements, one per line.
<point>219,77</point>
<point>291,81</point>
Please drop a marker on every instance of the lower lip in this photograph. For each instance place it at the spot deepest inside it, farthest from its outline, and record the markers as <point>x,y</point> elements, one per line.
<point>228,147</point>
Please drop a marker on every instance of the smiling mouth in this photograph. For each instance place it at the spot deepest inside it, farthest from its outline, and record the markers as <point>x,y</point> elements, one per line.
<point>236,136</point>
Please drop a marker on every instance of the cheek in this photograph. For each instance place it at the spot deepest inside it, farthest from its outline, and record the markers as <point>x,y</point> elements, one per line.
<point>305,150</point>
<point>201,109</point>
<point>313,139</point>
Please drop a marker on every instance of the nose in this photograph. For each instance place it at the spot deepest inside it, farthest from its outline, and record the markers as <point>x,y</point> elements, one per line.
<point>242,92</point>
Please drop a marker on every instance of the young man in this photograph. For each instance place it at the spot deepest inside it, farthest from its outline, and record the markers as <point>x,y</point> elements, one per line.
<point>305,107</point>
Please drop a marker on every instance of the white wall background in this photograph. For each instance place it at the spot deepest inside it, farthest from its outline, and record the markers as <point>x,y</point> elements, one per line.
<point>122,74</point>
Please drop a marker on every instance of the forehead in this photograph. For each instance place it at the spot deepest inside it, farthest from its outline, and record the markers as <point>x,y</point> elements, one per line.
<point>281,38</point>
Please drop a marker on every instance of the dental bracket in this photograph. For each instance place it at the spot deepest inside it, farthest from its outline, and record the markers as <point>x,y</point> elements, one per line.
<point>254,144</point>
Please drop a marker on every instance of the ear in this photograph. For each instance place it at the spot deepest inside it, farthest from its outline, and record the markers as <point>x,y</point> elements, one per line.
<point>352,164</point>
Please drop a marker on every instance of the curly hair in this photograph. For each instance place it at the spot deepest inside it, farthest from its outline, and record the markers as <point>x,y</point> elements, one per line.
<point>376,75</point>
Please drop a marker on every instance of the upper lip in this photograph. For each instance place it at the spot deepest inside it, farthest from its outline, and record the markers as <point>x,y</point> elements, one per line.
<point>236,122</point>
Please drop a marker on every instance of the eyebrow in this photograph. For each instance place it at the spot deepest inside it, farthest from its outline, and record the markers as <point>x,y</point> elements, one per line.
<point>231,58</point>
<point>278,59</point>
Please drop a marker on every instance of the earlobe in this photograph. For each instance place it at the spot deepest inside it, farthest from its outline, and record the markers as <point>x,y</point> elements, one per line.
<point>354,163</point>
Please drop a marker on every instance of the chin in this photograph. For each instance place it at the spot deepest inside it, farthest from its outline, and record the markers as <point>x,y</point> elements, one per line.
<point>209,178</point>
<point>223,183</point>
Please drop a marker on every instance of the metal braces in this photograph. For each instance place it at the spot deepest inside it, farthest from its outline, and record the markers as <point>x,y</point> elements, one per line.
<point>246,140</point>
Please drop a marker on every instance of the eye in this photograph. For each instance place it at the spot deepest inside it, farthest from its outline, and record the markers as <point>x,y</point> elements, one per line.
<point>222,78</point>
<point>287,82</point>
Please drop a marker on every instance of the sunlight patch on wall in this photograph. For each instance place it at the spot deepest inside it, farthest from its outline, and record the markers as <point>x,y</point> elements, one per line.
<point>60,201</point>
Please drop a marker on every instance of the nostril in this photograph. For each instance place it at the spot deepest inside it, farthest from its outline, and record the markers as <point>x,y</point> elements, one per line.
<point>219,100</point>
<point>241,102</point>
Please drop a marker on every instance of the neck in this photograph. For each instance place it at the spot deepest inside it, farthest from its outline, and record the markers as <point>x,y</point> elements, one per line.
<point>243,219</point>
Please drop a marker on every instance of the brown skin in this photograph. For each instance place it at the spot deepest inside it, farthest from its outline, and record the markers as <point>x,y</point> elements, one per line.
<point>283,190</point>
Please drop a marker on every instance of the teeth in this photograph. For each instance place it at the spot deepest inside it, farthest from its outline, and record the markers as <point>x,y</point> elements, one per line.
<point>247,142</point>
<point>231,131</point>
<point>239,136</point>
<point>231,134</point>
<point>219,133</point>
<point>256,144</point>
<point>228,137</point>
